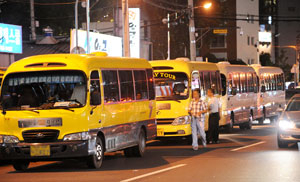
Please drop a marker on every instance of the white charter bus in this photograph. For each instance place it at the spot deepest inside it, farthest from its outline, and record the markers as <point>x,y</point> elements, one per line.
<point>239,95</point>
<point>271,93</point>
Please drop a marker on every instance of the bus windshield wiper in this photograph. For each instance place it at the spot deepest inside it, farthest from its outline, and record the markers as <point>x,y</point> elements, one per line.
<point>65,108</point>
<point>76,101</point>
<point>32,110</point>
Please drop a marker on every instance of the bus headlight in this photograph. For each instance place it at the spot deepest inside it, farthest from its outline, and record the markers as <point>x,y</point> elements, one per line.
<point>285,125</point>
<point>182,120</point>
<point>77,136</point>
<point>8,139</point>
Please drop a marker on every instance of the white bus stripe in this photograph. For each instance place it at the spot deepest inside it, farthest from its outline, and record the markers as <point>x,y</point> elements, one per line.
<point>247,146</point>
<point>152,173</point>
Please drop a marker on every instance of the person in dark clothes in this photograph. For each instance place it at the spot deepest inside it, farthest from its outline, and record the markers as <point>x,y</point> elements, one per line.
<point>214,117</point>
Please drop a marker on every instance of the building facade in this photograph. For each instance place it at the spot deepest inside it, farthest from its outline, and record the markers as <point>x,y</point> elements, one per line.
<point>288,30</point>
<point>238,35</point>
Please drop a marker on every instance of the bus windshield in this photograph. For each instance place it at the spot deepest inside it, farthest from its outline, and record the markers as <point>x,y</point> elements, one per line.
<point>171,86</point>
<point>44,90</point>
<point>294,105</point>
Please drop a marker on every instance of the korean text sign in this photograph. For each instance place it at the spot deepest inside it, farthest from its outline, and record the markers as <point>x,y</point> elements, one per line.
<point>10,38</point>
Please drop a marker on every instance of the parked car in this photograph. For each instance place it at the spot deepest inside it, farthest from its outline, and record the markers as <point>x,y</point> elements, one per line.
<point>289,123</point>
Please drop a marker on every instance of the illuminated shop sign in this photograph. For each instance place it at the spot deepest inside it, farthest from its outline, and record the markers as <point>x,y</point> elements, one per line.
<point>10,38</point>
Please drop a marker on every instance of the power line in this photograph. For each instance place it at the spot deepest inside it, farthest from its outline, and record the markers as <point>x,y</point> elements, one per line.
<point>47,4</point>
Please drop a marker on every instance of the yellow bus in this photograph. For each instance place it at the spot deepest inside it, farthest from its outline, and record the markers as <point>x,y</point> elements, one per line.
<point>174,82</point>
<point>76,106</point>
<point>239,95</point>
<point>271,94</point>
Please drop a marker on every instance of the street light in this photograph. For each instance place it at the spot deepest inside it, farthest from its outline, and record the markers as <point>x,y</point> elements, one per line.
<point>207,5</point>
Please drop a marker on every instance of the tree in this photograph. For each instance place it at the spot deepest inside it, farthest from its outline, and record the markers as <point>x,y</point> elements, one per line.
<point>281,61</point>
<point>265,59</point>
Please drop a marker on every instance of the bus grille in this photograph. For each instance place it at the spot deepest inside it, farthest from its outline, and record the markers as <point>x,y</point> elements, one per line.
<point>164,121</point>
<point>40,136</point>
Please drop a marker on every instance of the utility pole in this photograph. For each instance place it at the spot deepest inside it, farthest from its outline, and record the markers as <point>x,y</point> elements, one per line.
<point>169,38</point>
<point>32,18</point>
<point>88,26</point>
<point>192,31</point>
<point>76,27</point>
<point>126,44</point>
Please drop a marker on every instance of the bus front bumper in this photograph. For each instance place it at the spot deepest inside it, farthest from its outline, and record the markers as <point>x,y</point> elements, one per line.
<point>58,150</point>
<point>173,130</point>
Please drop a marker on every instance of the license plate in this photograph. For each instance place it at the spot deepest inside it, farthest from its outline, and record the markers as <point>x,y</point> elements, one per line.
<point>41,150</point>
<point>160,132</point>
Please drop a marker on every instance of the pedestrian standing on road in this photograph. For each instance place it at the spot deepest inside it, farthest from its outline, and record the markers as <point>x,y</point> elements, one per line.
<point>197,110</point>
<point>214,117</point>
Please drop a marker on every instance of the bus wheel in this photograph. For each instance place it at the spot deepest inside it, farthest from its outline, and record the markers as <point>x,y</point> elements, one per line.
<point>20,165</point>
<point>229,127</point>
<point>139,150</point>
<point>262,119</point>
<point>128,152</point>
<point>280,143</point>
<point>242,126</point>
<point>248,125</point>
<point>95,161</point>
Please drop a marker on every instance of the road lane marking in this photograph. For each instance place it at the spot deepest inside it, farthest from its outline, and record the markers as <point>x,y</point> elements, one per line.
<point>153,173</point>
<point>247,146</point>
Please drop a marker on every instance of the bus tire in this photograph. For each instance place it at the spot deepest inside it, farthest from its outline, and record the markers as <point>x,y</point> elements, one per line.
<point>20,165</point>
<point>95,161</point>
<point>128,152</point>
<point>242,126</point>
<point>229,127</point>
<point>248,125</point>
<point>281,144</point>
<point>139,150</point>
<point>262,119</point>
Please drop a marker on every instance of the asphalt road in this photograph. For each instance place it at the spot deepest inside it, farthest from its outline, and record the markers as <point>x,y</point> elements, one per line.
<point>244,155</point>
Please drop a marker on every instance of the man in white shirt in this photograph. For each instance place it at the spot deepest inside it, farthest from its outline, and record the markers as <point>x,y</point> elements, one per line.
<point>214,117</point>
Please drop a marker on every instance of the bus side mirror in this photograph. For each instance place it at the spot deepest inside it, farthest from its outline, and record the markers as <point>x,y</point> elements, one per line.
<point>263,88</point>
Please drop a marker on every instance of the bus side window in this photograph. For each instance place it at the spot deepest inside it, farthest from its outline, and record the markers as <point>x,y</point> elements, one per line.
<point>236,84</point>
<point>126,85</point>
<point>206,81</point>
<point>243,83</point>
<point>202,84</point>
<point>140,84</point>
<point>111,86</point>
<point>273,80</point>
<point>95,94</point>
<point>263,84</point>
<point>214,82</point>
<point>219,86</point>
<point>278,82</point>
<point>282,81</point>
<point>150,84</point>
<point>255,83</point>
<point>250,82</point>
<point>223,85</point>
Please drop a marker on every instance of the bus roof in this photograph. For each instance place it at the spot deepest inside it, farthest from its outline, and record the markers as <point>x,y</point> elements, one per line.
<point>83,62</point>
<point>266,69</point>
<point>182,65</point>
<point>226,67</point>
